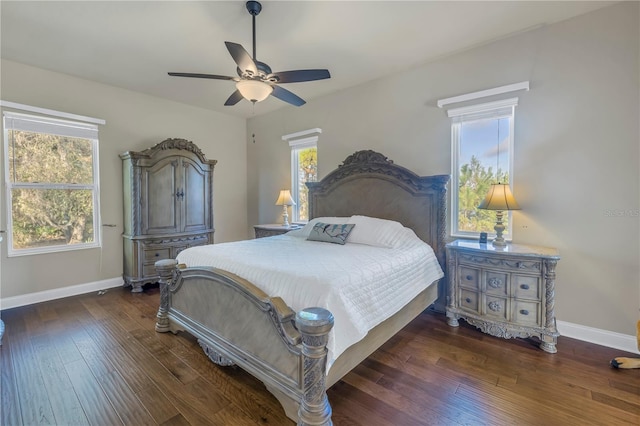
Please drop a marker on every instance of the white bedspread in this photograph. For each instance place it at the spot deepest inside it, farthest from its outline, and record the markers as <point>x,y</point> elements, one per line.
<point>360,284</point>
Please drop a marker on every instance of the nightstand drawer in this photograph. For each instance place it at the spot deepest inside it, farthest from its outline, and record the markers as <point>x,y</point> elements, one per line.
<point>496,308</point>
<point>469,277</point>
<point>527,313</point>
<point>469,301</point>
<point>526,287</point>
<point>496,283</point>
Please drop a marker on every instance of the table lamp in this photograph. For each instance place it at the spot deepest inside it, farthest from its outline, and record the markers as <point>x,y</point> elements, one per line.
<point>285,200</point>
<point>499,198</point>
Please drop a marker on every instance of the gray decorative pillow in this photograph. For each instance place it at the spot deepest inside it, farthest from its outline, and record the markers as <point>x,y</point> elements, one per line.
<point>330,232</point>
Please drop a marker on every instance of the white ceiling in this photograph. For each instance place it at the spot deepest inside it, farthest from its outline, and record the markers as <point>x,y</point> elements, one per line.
<point>134,44</point>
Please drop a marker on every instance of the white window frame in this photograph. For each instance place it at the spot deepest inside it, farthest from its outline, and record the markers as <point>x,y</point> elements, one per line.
<point>496,110</point>
<point>49,125</point>
<point>297,142</point>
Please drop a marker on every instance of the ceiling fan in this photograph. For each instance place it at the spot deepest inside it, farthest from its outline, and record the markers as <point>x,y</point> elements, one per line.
<point>256,81</point>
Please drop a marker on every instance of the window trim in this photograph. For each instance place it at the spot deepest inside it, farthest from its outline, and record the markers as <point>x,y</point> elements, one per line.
<point>298,141</point>
<point>497,109</point>
<point>49,125</point>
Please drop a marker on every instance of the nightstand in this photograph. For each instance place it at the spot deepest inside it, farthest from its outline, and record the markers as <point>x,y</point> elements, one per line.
<point>272,229</point>
<point>506,292</point>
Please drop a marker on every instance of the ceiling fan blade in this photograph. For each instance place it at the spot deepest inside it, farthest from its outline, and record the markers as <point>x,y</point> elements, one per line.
<point>242,58</point>
<point>211,76</point>
<point>287,96</point>
<point>299,76</point>
<point>234,98</point>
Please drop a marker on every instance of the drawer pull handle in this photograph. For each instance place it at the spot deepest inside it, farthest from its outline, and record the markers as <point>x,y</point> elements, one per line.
<point>495,282</point>
<point>468,300</point>
<point>524,286</point>
<point>157,254</point>
<point>524,312</point>
<point>469,277</point>
<point>495,306</point>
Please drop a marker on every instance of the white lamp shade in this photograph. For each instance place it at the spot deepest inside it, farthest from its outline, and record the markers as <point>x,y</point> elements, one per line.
<point>254,90</point>
<point>499,197</point>
<point>284,199</point>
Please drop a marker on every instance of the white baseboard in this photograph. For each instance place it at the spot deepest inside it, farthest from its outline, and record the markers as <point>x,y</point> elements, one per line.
<point>610,339</point>
<point>58,293</point>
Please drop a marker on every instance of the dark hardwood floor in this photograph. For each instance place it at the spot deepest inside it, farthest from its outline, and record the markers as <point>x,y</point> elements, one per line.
<point>96,359</point>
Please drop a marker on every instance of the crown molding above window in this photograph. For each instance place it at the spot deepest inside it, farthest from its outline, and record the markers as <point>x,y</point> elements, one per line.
<point>52,113</point>
<point>302,134</point>
<point>303,139</point>
<point>524,85</point>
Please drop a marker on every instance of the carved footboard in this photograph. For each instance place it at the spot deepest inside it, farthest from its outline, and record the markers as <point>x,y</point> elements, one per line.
<point>237,323</point>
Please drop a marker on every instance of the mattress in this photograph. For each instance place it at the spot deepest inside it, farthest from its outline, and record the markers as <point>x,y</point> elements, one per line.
<point>361,285</point>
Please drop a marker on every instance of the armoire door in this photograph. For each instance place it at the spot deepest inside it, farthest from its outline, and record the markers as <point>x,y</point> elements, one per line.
<point>196,202</point>
<point>161,198</point>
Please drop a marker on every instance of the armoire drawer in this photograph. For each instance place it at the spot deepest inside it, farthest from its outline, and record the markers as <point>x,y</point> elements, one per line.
<point>155,254</point>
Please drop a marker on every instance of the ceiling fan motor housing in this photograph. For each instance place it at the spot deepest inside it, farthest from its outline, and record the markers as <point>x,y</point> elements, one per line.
<point>254,7</point>
<point>263,71</point>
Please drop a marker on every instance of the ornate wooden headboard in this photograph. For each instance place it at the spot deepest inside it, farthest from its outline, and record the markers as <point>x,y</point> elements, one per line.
<point>368,183</point>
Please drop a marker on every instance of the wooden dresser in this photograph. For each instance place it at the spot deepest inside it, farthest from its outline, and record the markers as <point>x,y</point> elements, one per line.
<point>506,292</point>
<point>168,193</point>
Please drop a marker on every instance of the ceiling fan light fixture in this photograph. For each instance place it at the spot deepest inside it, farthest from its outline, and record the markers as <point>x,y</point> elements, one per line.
<point>254,90</point>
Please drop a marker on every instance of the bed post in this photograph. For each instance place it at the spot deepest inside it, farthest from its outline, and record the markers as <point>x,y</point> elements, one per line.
<point>314,324</point>
<point>165,269</point>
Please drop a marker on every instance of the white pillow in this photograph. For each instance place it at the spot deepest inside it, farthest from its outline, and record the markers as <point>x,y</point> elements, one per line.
<point>376,232</point>
<point>306,229</point>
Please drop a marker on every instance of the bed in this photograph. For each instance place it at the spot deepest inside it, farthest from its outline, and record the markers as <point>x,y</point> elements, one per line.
<point>295,352</point>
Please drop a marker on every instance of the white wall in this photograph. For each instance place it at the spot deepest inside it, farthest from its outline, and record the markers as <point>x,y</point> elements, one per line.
<point>134,122</point>
<point>576,151</point>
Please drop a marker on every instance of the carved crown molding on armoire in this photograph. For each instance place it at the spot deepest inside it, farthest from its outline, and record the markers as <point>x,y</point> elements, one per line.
<point>168,206</point>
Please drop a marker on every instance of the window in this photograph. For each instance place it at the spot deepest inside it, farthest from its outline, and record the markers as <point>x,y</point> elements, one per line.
<point>52,184</point>
<point>304,168</point>
<point>482,154</point>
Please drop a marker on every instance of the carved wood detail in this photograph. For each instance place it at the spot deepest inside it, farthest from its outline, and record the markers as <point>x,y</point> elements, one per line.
<point>215,356</point>
<point>314,324</point>
<point>171,143</point>
<point>168,239</point>
<point>166,271</point>
<point>507,263</point>
<point>362,162</point>
<point>501,330</point>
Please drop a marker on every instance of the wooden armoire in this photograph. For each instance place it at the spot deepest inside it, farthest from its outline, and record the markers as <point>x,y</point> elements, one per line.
<point>168,206</point>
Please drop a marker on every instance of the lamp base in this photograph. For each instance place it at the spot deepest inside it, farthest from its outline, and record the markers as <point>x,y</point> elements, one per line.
<point>499,240</point>
<point>499,243</point>
<point>285,217</point>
